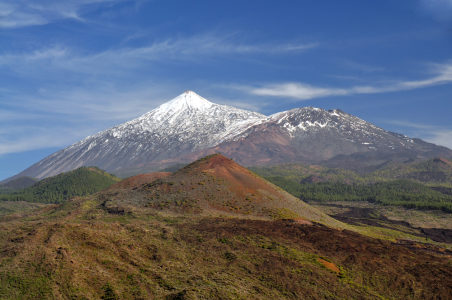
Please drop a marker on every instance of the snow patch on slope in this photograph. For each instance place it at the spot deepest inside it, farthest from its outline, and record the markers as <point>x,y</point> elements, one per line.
<point>189,123</point>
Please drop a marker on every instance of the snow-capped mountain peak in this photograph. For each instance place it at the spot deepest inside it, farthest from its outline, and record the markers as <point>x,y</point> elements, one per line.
<point>188,100</point>
<point>180,126</point>
<point>189,123</point>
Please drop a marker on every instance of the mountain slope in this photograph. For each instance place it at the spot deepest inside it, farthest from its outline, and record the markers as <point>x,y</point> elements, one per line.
<point>185,124</point>
<point>312,136</point>
<point>189,127</point>
<point>216,185</point>
<point>334,132</point>
<point>143,239</point>
<point>414,185</point>
<point>151,257</point>
<point>17,184</point>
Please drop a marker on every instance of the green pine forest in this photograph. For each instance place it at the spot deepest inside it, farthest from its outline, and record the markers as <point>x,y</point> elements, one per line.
<point>57,189</point>
<point>407,185</point>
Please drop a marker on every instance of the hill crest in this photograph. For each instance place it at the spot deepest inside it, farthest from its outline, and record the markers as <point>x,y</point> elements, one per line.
<point>217,186</point>
<point>60,188</point>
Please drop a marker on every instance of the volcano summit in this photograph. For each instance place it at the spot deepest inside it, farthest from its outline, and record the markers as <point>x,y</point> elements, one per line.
<point>189,127</point>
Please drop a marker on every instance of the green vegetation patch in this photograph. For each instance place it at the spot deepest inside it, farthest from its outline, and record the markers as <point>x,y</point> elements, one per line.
<point>401,192</point>
<point>433,172</point>
<point>57,189</point>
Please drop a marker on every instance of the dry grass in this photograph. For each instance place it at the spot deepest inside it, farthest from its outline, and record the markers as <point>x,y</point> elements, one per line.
<point>210,231</point>
<point>149,255</point>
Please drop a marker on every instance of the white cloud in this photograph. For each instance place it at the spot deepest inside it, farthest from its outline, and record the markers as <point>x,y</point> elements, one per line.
<point>297,90</point>
<point>59,117</point>
<point>444,75</point>
<point>40,140</point>
<point>120,62</point>
<point>430,133</point>
<point>12,16</point>
<point>303,91</point>
<point>409,124</point>
<point>22,13</point>
<point>91,92</point>
<point>442,137</point>
<point>438,9</point>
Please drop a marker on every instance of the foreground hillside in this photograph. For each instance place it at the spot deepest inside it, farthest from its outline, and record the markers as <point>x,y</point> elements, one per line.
<point>151,256</point>
<point>212,230</point>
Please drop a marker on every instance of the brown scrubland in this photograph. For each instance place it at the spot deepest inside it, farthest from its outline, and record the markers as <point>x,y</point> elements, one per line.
<point>212,230</point>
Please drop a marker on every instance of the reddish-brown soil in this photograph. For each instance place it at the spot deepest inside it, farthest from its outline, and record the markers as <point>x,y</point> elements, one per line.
<point>300,221</point>
<point>218,184</point>
<point>393,271</point>
<point>242,182</point>
<point>448,162</point>
<point>210,258</point>
<point>329,265</point>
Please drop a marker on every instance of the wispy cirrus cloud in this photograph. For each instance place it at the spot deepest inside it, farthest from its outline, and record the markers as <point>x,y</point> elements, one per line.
<point>438,9</point>
<point>303,91</point>
<point>23,13</point>
<point>439,135</point>
<point>116,61</point>
<point>89,92</point>
<point>39,140</point>
<point>404,123</point>
<point>28,121</point>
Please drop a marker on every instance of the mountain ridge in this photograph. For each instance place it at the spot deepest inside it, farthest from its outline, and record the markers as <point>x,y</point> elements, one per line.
<point>189,127</point>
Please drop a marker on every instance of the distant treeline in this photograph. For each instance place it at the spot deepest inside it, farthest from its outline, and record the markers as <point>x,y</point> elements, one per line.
<point>57,189</point>
<point>433,172</point>
<point>401,192</point>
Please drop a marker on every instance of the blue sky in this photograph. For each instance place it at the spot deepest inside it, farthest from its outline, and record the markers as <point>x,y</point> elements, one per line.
<point>69,69</point>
